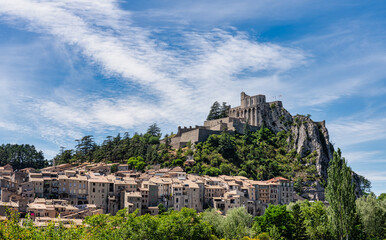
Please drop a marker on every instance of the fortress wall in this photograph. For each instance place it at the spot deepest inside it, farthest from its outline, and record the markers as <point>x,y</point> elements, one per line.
<point>277,103</point>
<point>190,136</point>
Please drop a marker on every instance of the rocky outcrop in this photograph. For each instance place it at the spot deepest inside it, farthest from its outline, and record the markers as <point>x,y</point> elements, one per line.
<point>308,137</point>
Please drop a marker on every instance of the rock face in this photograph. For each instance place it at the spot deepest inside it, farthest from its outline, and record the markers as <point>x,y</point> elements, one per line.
<point>306,137</point>
<point>309,137</point>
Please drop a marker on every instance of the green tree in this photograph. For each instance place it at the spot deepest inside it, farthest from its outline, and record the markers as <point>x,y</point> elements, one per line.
<point>154,130</point>
<point>298,220</point>
<point>22,156</point>
<point>340,193</point>
<point>214,112</point>
<point>161,208</point>
<point>85,148</point>
<point>372,213</point>
<point>382,196</point>
<point>316,221</point>
<point>114,168</point>
<point>224,110</point>
<point>237,223</point>
<point>275,216</point>
<point>216,220</point>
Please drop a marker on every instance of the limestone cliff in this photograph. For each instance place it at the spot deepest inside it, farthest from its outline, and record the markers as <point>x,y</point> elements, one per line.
<point>308,138</point>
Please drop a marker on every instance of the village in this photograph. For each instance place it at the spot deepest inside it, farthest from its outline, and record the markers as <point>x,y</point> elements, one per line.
<point>69,193</point>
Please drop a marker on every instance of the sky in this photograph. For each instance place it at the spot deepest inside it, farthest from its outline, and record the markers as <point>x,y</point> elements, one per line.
<point>101,67</point>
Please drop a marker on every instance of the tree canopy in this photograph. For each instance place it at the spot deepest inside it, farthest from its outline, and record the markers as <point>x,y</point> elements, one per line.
<point>22,156</point>
<point>218,111</point>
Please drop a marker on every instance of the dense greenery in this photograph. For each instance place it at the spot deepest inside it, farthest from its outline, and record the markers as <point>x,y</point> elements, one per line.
<point>300,220</point>
<point>258,155</point>
<point>21,156</point>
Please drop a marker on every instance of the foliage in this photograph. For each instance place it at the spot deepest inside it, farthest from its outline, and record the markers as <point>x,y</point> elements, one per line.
<point>372,213</point>
<point>154,130</point>
<point>85,148</point>
<point>114,168</point>
<point>277,220</point>
<point>340,193</point>
<point>21,156</point>
<point>382,196</point>
<point>258,155</point>
<point>313,220</point>
<point>235,225</point>
<point>185,224</point>
<point>136,163</point>
<point>218,111</point>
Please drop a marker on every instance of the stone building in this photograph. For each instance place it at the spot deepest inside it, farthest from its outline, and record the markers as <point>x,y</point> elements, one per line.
<point>254,110</point>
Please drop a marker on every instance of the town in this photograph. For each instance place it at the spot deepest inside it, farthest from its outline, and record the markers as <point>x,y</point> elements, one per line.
<point>69,193</point>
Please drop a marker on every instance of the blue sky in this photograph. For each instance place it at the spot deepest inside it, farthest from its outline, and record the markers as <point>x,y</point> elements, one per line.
<point>76,67</point>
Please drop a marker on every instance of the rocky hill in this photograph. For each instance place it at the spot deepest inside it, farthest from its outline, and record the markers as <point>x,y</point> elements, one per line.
<point>307,138</point>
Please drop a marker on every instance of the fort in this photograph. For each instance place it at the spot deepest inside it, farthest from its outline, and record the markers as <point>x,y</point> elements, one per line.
<point>254,110</point>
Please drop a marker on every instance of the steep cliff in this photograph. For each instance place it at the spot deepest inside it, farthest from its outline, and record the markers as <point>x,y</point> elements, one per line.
<point>310,140</point>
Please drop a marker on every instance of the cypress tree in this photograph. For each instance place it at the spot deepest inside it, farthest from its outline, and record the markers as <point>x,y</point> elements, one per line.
<point>340,193</point>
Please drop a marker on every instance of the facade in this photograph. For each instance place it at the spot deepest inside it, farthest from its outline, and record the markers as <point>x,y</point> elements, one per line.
<point>82,192</point>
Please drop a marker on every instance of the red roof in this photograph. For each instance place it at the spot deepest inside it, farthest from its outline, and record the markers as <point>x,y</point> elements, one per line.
<point>276,179</point>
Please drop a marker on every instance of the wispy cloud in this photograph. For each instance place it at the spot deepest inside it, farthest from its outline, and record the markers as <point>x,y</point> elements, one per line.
<point>365,157</point>
<point>374,176</point>
<point>348,132</point>
<point>176,79</point>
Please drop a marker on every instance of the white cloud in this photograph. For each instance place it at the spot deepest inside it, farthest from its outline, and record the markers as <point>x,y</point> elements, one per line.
<point>347,132</point>
<point>364,157</point>
<point>177,82</point>
<point>374,176</point>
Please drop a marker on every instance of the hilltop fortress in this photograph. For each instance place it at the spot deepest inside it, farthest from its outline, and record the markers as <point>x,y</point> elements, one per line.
<point>253,109</point>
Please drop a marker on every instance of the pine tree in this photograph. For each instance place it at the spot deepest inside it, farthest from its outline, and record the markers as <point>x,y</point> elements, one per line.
<point>224,110</point>
<point>214,112</point>
<point>340,193</point>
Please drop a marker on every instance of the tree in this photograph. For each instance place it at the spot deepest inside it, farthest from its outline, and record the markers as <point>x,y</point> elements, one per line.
<point>382,196</point>
<point>224,110</point>
<point>154,130</point>
<point>22,156</point>
<point>372,213</point>
<point>237,223</point>
<point>215,219</point>
<point>85,148</point>
<point>275,216</point>
<point>114,168</point>
<point>340,193</point>
<point>214,112</point>
<point>298,219</point>
<point>315,220</point>
<point>161,208</point>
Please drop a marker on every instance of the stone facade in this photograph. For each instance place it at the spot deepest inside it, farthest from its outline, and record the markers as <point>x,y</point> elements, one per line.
<point>253,109</point>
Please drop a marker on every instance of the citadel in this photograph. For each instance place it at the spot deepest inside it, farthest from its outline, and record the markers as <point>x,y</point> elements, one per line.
<point>254,110</point>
